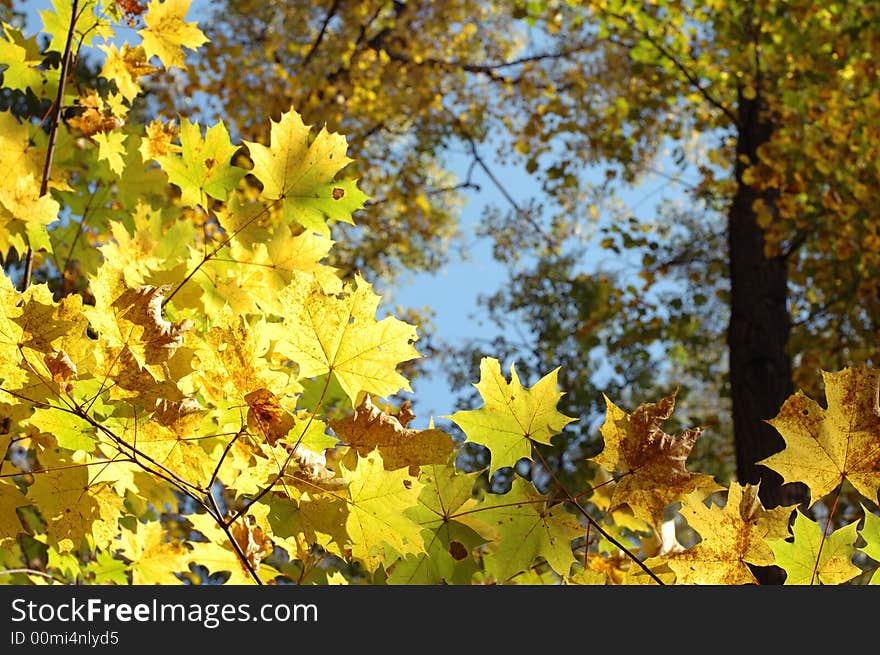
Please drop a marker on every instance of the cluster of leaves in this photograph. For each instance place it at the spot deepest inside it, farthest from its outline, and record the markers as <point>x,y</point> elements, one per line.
<point>191,395</point>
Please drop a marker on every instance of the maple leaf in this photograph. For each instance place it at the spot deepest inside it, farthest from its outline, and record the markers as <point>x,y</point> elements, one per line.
<point>218,555</point>
<point>159,140</point>
<point>167,32</point>
<point>43,322</point>
<point>230,362</point>
<point>253,541</point>
<point>112,150</point>
<point>813,557</point>
<point>22,68</point>
<point>10,499</point>
<point>823,447</point>
<point>151,553</point>
<point>512,417</point>
<point>204,166</point>
<point>17,152</point>
<point>70,432</point>
<point>448,531</point>
<point>28,213</point>
<point>72,504</point>
<point>870,532</point>
<point>527,528</point>
<point>131,318</point>
<point>340,334</point>
<point>370,428</point>
<point>652,463</point>
<point>89,26</point>
<point>301,172</point>
<point>730,538</point>
<point>314,519</point>
<point>61,368</point>
<point>124,66</point>
<point>377,519</point>
<point>175,448</point>
<point>12,375</point>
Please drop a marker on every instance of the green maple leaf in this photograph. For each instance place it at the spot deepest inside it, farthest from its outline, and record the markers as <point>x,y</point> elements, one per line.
<point>527,528</point>
<point>108,570</point>
<point>301,171</point>
<point>203,167</point>
<point>810,558</point>
<point>89,26</point>
<point>22,67</point>
<point>871,534</point>
<point>444,514</point>
<point>69,431</point>
<point>512,417</point>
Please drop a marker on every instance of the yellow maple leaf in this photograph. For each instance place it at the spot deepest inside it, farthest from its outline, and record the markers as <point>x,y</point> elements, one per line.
<point>340,335</point>
<point>152,554</point>
<point>16,151</point>
<point>25,214</point>
<point>112,150</point>
<point>301,171</point>
<point>12,374</point>
<point>378,500</point>
<point>123,66</point>
<point>230,362</point>
<point>730,538</point>
<point>176,448</point>
<point>652,463</point>
<point>167,33</point>
<point>72,504</point>
<point>825,446</point>
<point>131,318</point>
<point>10,499</point>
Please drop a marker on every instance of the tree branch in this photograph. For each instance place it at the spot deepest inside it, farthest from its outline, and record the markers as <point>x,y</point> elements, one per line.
<point>53,132</point>
<point>317,42</point>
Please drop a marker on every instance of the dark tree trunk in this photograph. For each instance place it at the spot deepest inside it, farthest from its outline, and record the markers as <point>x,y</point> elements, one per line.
<point>760,367</point>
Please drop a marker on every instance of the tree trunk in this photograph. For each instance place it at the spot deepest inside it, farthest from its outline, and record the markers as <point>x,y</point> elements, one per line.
<point>760,367</point>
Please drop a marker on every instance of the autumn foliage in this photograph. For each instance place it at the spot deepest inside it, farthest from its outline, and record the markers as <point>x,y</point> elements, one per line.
<point>190,393</point>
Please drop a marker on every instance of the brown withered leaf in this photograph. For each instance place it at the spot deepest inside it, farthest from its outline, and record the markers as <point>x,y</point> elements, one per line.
<point>266,416</point>
<point>253,541</point>
<point>61,367</point>
<point>370,428</point>
<point>652,463</point>
<point>143,307</point>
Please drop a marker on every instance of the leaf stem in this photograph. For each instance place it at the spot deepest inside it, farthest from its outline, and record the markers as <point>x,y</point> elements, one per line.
<point>825,532</point>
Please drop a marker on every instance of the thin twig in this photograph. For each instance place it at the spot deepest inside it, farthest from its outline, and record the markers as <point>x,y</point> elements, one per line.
<point>317,42</point>
<point>290,454</point>
<point>235,545</point>
<point>53,131</point>
<point>593,521</point>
